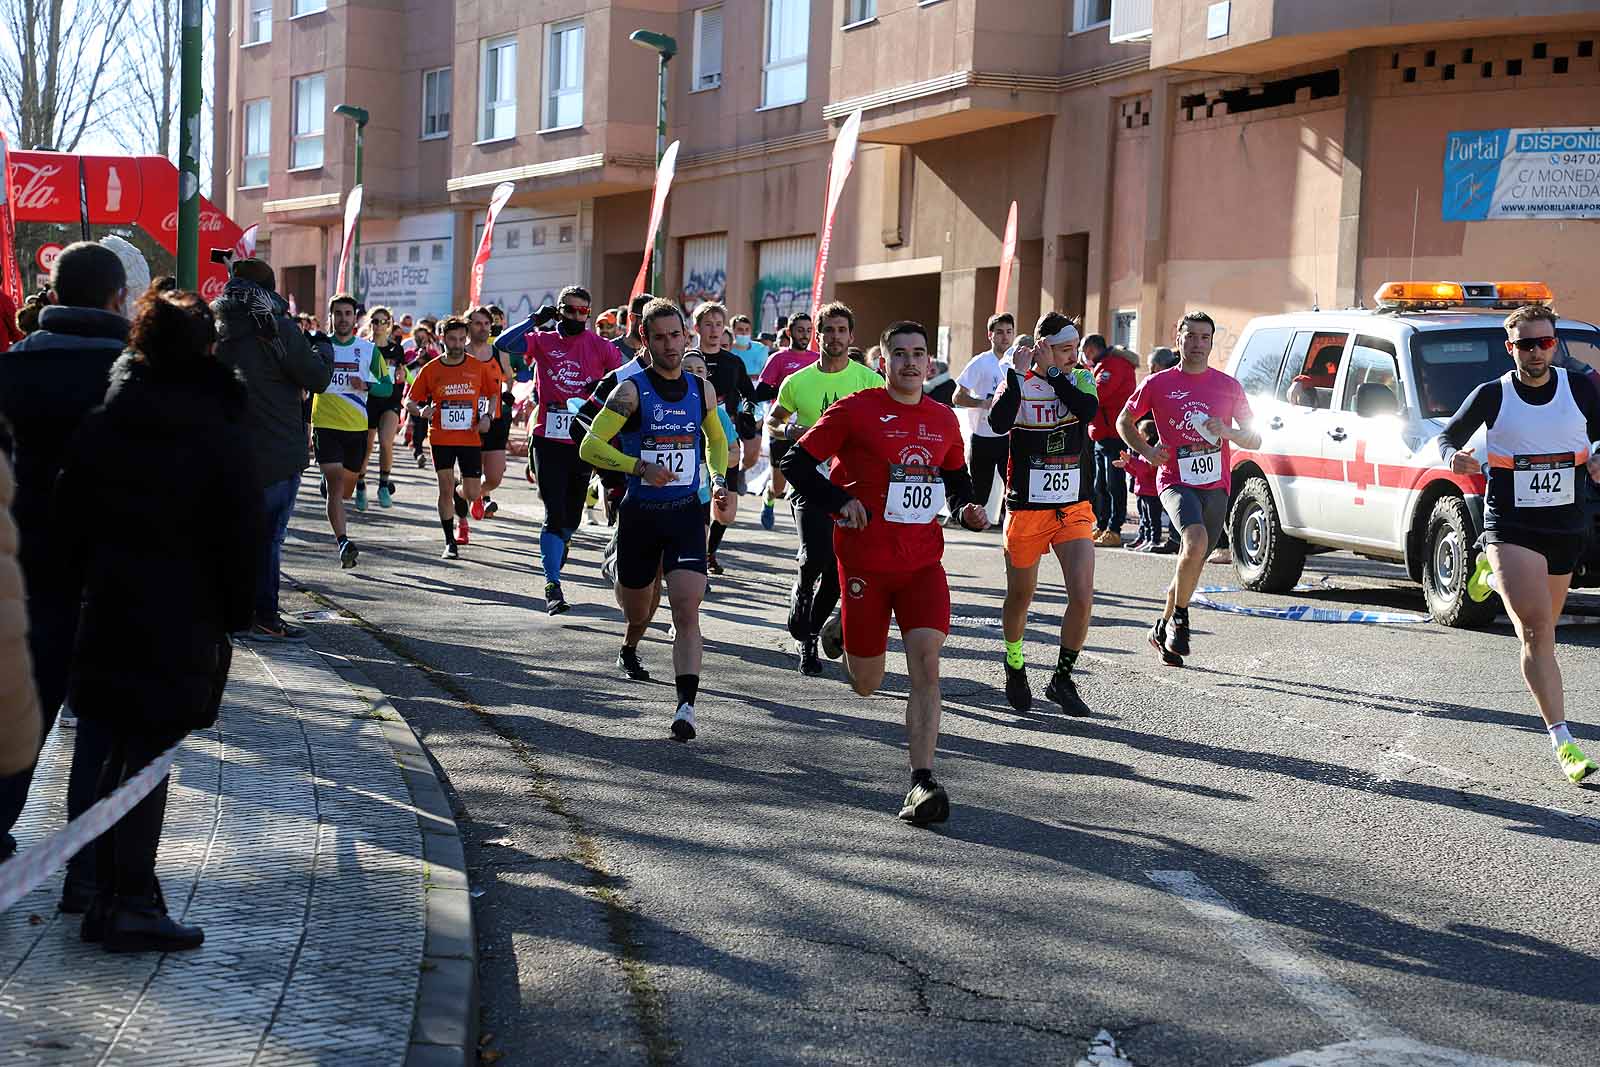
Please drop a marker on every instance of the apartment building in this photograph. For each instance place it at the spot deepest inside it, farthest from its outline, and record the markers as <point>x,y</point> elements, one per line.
<point>1247,157</point>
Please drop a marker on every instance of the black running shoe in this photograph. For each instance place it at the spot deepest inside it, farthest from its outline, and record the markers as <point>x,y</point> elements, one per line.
<point>1178,634</point>
<point>1018,693</point>
<point>800,610</point>
<point>831,639</point>
<point>1158,641</point>
<point>683,723</point>
<point>810,663</point>
<point>490,507</point>
<point>348,553</point>
<point>926,803</point>
<point>628,663</point>
<point>1064,691</point>
<point>554,602</point>
<point>322,487</point>
<point>450,552</point>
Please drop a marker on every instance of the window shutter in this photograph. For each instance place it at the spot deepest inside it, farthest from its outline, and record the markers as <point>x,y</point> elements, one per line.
<point>708,52</point>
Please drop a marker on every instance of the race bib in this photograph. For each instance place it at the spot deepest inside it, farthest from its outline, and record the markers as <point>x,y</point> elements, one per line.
<point>677,456</point>
<point>455,416</point>
<point>558,426</point>
<point>916,494</point>
<point>1199,465</point>
<point>1547,481</point>
<point>483,406</point>
<point>340,382</point>
<point>1052,480</point>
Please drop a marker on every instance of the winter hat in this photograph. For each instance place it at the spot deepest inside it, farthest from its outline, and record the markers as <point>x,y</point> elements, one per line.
<point>133,265</point>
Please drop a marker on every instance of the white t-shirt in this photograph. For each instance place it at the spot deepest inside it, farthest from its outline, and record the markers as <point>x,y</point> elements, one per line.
<point>981,378</point>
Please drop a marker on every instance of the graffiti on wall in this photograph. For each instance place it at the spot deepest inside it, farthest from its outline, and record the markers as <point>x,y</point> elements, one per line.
<point>703,285</point>
<point>779,295</point>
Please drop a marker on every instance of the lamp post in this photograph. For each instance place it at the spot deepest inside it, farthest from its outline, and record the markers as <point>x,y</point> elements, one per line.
<point>189,98</point>
<point>665,48</point>
<point>360,117</point>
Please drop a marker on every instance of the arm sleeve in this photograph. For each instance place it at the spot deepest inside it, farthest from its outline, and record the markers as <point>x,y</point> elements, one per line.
<point>716,440</point>
<point>1479,409</point>
<point>799,466</point>
<point>514,340</point>
<point>1083,404</point>
<point>596,448</point>
<point>958,491</point>
<point>764,392</point>
<point>1007,402</point>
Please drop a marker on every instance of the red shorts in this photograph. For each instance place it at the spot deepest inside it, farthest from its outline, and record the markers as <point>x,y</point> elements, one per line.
<point>918,600</point>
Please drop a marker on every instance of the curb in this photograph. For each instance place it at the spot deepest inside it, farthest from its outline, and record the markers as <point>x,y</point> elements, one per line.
<point>444,1027</point>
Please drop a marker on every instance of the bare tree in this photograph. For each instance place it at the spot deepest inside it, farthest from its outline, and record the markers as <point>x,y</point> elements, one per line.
<point>58,67</point>
<point>143,112</point>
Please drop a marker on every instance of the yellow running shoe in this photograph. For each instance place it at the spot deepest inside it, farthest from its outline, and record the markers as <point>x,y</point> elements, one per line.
<point>1574,764</point>
<point>1479,581</point>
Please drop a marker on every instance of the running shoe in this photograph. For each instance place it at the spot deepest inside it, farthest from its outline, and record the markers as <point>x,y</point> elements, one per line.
<point>385,498</point>
<point>348,553</point>
<point>554,602</point>
<point>1178,634</point>
<point>1140,545</point>
<point>450,552</point>
<point>926,803</point>
<point>800,609</point>
<point>322,487</point>
<point>422,462</point>
<point>628,663</point>
<point>1481,582</point>
<point>463,535</point>
<point>591,499</point>
<point>831,639</point>
<point>272,630</point>
<point>1166,548</point>
<point>489,508</point>
<point>1064,691</point>
<point>1018,693</point>
<point>477,510</point>
<point>683,723</point>
<point>1158,641</point>
<point>361,496</point>
<point>712,566</point>
<point>1109,539</point>
<point>766,515</point>
<point>1574,764</point>
<point>809,663</point>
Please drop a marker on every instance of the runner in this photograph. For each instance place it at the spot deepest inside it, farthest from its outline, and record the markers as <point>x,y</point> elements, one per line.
<point>975,389</point>
<point>1044,407</point>
<point>458,396</point>
<point>802,399</point>
<point>384,402</point>
<point>480,346</point>
<point>668,420</point>
<point>339,418</point>
<point>782,363</point>
<point>569,360</point>
<point>754,354</point>
<point>729,378</point>
<point>1543,439</point>
<point>423,351</point>
<point>1199,412</point>
<point>899,460</point>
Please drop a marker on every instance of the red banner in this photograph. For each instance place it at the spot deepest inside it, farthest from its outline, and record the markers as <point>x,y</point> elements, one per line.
<point>352,212</point>
<point>1008,253</point>
<point>658,205</point>
<point>480,262</point>
<point>844,160</point>
<point>11,273</point>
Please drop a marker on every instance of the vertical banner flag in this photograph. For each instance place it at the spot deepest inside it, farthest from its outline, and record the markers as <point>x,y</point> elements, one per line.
<point>1008,252</point>
<point>844,158</point>
<point>246,248</point>
<point>497,200</point>
<point>664,174</point>
<point>352,211</point>
<point>11,272</point>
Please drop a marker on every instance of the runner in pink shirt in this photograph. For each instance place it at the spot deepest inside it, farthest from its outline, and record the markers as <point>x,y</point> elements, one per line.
<point>1200,413</point>
<point>782,363</point>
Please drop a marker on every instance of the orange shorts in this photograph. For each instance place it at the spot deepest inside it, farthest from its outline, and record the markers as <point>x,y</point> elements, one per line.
<point>1030,534</point>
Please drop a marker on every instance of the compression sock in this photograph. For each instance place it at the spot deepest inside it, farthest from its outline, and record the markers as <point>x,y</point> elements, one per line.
<point>1066,660</point>
<point>1559,735</point>
<point>461,506</point>
<point>553,551</point>
<point>688,688</point>
<point>1014,657</point>
<point>717,530</point>
<point>449,531</point>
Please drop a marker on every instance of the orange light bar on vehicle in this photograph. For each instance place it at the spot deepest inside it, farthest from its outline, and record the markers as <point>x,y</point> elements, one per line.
<point>1430,293</point>
<point>1520,293</point>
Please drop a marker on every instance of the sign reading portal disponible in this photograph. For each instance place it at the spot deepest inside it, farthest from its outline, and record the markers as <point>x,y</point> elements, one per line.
<point>1548,173</point>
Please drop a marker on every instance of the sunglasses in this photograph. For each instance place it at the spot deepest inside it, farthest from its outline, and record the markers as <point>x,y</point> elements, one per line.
<point>581,310</point>
<point>1529,344</point>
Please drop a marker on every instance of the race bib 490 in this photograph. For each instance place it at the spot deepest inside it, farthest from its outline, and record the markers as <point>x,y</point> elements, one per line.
<point>1200,465</point>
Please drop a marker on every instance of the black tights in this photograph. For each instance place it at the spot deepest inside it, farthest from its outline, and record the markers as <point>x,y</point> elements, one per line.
<point>818,568</point>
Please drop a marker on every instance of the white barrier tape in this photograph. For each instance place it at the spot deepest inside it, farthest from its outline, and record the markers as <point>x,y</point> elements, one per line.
<point>23,873</point>
<point>1300,612</point>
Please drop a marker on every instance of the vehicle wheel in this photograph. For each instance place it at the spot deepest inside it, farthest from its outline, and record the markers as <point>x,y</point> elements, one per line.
<point>1266,559</point>
<point>1449,561</point>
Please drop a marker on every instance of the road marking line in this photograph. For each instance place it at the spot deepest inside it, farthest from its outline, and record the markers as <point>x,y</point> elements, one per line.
<point>1103,1052</point>
<point>1441,770</point>
<point>1388,1052</point>
<point>1300,978</point>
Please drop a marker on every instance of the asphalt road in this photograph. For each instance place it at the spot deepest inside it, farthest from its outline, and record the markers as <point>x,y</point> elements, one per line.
<point>1314,835</point>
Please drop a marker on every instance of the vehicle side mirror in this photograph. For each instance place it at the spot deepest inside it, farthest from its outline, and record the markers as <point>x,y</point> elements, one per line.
<point>1374,398</point>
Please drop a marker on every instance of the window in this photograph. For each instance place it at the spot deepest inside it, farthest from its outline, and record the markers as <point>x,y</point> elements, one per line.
<point>306,7</point>
<point>707,48</point>
<point>258,22</point>
<point>783,70</point>
<point>436,102</point>
<point>414,254</point>
<point>563,76</point>
<point>513,238</point>
<point>499,89</point>
<point>1311,369</point>
<point>1262,360</point>
<point>257,138</point>
<point>860,11</point>
<point>1372,366</point>
<point>305,144</point>
<point>1088,14</point>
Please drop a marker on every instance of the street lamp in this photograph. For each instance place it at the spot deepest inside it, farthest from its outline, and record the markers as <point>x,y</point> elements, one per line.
<point>665,48</point>
<point>360,117</point>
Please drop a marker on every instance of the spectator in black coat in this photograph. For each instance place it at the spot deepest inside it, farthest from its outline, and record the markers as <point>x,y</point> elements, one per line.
<point>172,416</point>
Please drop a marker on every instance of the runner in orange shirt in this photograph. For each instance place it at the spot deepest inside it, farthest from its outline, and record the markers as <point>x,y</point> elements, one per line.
<point>459,397</point>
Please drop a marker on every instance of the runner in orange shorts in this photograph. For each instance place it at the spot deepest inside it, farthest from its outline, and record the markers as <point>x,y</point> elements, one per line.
<point>1045,405</point>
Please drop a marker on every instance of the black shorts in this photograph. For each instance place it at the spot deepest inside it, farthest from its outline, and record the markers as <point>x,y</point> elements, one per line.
<point>378,407</point>
<point>1187,506</point>
<point>664,537</point>
<point>346,448</point>
<point>467,457</point>
<point>1561,551</point>
<point>499,432</point>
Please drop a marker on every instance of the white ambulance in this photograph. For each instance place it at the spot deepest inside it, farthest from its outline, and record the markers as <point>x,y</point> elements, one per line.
<point>1350,405</point>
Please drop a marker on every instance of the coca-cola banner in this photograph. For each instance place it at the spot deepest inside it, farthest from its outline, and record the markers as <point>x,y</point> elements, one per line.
<point>122,191</point>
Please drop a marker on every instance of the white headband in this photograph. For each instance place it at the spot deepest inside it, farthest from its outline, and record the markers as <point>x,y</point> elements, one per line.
<point>1067,333</point>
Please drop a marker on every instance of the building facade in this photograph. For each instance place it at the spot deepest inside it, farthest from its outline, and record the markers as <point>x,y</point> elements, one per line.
<point>1245,157</point>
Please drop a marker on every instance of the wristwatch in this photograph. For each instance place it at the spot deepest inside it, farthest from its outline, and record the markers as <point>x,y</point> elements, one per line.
<point>1053,373</point>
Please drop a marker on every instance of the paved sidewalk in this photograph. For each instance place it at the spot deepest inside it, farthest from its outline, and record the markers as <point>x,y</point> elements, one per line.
<point>336,912</point>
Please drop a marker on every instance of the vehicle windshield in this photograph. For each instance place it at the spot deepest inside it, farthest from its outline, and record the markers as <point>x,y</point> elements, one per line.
<point>1452,363</point>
